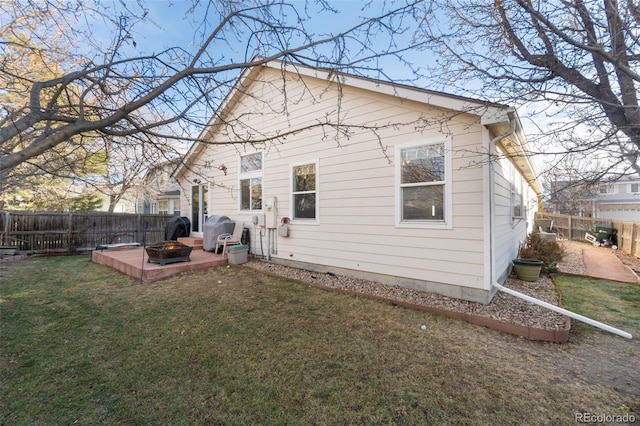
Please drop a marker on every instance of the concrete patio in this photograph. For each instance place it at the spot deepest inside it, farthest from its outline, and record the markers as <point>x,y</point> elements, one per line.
<point>133,261</point>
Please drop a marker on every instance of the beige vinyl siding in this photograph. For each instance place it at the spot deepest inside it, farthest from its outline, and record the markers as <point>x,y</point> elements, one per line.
<point>357,229</point>
<point>509,233</point>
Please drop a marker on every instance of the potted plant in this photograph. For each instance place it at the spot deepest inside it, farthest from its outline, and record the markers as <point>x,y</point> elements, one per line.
<point>527,269</point>
<point>537,255</point>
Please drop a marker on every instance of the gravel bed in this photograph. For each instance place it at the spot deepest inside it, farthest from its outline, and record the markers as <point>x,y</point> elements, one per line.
<point>629,260</point>
<point>503,306</point>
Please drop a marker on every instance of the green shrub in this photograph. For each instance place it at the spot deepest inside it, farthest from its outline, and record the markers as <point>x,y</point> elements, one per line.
<point>549,251</point>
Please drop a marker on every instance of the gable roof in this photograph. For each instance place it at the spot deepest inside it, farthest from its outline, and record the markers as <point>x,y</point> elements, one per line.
<point>501,119</point>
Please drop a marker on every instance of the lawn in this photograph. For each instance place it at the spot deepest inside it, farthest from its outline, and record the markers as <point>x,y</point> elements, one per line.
<point>84,344</point>
<point>614,303</point>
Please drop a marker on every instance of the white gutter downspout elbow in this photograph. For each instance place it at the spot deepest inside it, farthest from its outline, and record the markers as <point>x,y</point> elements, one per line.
<point>565,312</point>
<point>510,132</point>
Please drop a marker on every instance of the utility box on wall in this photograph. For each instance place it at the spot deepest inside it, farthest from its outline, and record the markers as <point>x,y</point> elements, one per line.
<point>271,213</point>
<point>283,229</point>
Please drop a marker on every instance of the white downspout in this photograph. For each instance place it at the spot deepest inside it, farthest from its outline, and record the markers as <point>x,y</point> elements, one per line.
<point>491,149</point>
<point>564,312</point>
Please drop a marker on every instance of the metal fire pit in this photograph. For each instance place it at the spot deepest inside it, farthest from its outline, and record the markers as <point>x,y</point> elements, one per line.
<point>168,252</point>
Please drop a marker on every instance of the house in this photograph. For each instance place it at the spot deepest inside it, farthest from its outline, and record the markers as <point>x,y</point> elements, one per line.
<point>344,174</point>
<point>614,200</point>
<point>128,201</point>
<point>161,193</point>
<point>155,193</point>
<point>618,200</point>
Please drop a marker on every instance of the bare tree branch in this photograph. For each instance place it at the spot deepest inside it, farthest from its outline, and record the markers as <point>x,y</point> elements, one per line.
<point>580,57</point>
<point>179,89</point>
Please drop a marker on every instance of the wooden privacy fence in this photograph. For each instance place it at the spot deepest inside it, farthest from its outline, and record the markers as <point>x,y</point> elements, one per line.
<point>49,232</point>
<point>575,227</point>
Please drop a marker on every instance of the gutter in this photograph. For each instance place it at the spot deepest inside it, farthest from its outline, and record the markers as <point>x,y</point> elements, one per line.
<point>512,121</point>
<point>564,312</point>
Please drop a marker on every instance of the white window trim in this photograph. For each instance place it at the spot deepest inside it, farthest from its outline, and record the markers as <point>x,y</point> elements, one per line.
<point>249,175</point>
<point>447,223</point>
<point>164,211</point>
<point>610,188</point>
<point>315,221</point>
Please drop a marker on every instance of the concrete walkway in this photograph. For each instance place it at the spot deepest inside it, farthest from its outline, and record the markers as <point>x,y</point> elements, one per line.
<point>601,262</point>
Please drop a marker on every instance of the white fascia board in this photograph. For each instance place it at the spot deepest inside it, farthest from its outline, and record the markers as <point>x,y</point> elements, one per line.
<point>495,115</point>
<point>516,147</point>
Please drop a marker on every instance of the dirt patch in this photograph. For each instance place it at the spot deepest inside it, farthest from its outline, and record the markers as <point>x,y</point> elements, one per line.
<point>603,359</point>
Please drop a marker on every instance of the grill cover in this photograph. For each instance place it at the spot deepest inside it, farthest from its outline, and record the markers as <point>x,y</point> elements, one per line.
<point>214,226</point>
<point>177,227</point>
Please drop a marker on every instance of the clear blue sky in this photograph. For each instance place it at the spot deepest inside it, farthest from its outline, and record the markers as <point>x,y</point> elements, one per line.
<point>170,24</point>
<point>170,20</point>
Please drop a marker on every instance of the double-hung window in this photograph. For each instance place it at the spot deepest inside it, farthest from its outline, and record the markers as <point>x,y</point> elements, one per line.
<point>163,206</point>
<point>304,191</point>
<point>251,181</point>
<point>424,187</point>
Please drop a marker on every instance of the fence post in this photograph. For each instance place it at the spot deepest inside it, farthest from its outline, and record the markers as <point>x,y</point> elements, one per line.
<point>7,227</point>
<point>70,236</point>
<point>634,235</point>
<point>138,227</point>
<point>570,229</point>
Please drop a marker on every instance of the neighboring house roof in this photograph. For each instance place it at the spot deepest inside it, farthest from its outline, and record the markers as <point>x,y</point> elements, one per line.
<point>502,120</point>
<point>168,166</point>
<point>619,200</point>
<point>175,192</point>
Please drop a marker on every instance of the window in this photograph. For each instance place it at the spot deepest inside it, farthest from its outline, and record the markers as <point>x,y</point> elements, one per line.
<point>170,206</point>
<point>304,191</point>
<point>635,188</point>
<point>423,195</point>
<point>163,206</point>
<point>251,181</point>
<point>605,189</point>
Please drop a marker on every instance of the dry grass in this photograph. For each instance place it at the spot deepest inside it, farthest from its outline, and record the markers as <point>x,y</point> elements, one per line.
<point>82,343</point>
